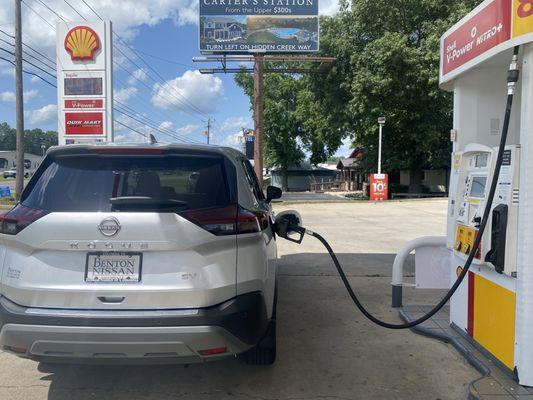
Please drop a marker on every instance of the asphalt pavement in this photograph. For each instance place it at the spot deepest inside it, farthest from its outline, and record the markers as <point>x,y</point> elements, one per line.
<point>326,349</point>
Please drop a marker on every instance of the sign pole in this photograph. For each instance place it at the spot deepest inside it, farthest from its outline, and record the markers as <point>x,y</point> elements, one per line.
<point>381,122</point>
<point>19,185</point>
<point>380,141</point>
<point>258,116</point>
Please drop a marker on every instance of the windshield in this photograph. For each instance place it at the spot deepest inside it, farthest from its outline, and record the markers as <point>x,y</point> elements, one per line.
<point>89,183</point>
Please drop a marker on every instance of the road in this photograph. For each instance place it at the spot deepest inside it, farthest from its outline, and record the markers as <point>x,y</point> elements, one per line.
<point>326,349</point>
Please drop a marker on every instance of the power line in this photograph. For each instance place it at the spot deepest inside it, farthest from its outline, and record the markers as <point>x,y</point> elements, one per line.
<point>166,60</point>
<point>141,99</point>
<point>183,101</point>
<point>29,47</point>
<point>39,15</point>
<point>28,54</point>
<point>29,72</point>
<point>190,104</point>
<point>92,9</point>
<point>149,124</point>
<point>30,63</point>
<point>130,128</point>
<point>45,5</point>
<point>170,132</point>
<point>76,11</point>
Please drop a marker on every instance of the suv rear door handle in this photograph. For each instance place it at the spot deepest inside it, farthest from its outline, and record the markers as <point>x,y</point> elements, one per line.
<point>111,300</point>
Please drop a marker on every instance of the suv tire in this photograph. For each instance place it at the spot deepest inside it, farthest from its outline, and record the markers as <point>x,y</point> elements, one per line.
<point>264,353</point>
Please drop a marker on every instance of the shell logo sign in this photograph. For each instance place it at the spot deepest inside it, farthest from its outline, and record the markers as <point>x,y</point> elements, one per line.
<point>82,43</point>
<point>523,17</point>
<point>491,28</point>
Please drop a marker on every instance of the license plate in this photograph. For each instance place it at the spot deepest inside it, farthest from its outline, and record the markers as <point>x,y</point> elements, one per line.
<point>113,267</point>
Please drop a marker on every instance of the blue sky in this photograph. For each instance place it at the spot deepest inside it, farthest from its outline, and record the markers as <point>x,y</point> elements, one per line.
<point>157,30</point>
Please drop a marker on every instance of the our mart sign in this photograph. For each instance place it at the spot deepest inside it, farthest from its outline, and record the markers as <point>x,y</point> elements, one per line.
<point>493,27</point>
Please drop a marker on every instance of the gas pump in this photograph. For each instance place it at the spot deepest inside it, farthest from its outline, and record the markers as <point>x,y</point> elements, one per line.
<point>493,306</point>
<point>498,245</point>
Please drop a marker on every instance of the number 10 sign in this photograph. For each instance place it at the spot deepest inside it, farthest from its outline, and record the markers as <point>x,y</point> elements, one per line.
<point>379,187</point>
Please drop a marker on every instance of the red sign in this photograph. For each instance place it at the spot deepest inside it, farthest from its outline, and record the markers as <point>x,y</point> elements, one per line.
<point>91,123</point>
<point>84,104</point>
<point>487,29</point>
<point>379,187</point>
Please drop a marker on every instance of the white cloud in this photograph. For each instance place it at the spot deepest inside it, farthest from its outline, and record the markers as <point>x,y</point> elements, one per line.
<point>125,94</point>
<point>191,92</point>
<point>328,7</point>
<point>187,129</point>
<point>183,131</point>
<point>10,97</point>
<point>231,129</point>
<point>7,71</point>
<point>234,140</point>
<point>123,134</point>
<point>138,75</point>
<point>42,115</point>
<point>166,125</point>
<point>236,123</point>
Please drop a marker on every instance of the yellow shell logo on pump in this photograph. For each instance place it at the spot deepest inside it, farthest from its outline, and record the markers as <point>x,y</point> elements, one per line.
<point>82,43</point>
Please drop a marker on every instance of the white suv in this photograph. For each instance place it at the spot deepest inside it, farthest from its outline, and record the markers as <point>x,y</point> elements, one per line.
<point>160,253</point>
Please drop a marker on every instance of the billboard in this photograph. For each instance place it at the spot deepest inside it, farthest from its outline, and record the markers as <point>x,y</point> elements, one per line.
<point>272,26</point>
<point>85,87</point>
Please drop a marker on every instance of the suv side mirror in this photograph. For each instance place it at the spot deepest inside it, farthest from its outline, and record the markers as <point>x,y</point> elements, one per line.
<point>273,193</point>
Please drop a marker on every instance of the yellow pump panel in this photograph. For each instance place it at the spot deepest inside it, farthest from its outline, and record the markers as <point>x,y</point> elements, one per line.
<point>494,319</point>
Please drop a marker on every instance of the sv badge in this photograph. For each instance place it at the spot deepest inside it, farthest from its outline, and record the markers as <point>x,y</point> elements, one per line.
<point>187,276</point>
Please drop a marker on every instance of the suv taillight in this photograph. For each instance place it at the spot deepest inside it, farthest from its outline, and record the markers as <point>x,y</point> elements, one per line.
<point>228,220</point>
<point>19,218</point>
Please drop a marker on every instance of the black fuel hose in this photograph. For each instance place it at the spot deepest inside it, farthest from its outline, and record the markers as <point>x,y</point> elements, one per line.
<point>512,79</point>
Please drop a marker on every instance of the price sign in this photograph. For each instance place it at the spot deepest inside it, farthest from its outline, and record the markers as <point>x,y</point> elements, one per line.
<point>379,187</point>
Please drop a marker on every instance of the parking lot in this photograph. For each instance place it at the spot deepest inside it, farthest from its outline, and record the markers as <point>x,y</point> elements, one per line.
<point>326,349</point>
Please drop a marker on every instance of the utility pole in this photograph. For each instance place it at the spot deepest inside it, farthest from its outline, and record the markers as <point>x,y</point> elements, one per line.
<point>208,132</point>
<point>258,116</point>
<point>19,186</point>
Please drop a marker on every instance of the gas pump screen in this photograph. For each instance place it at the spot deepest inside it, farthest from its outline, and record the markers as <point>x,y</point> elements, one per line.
<point>83,86</point>
<point>478,187</point>
<point>482,160</point>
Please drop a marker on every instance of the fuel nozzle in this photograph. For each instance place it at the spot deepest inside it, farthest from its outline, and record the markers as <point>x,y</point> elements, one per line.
<point>288,226</point>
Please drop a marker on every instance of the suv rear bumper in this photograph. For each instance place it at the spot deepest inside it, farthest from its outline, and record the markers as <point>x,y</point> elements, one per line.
<point>147,336</point>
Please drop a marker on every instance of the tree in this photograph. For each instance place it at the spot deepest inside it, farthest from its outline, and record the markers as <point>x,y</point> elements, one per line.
<point>395,75</point>
<point>34,139</point>
<point>281,127</point>
<point>387,64</point>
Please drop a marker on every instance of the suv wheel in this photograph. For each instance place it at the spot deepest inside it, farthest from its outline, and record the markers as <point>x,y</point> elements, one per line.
<point>264,353</point>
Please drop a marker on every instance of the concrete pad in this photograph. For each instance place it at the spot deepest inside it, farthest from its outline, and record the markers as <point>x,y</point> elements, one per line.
<point>326,349</point>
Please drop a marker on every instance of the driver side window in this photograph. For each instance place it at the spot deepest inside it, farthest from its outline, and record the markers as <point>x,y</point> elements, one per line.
<point>252,180</point>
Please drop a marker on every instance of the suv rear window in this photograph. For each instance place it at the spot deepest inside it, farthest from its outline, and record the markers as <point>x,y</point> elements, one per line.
<point>168,183</point>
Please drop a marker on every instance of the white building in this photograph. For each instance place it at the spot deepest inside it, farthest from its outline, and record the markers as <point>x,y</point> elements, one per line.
<point>8,160</point>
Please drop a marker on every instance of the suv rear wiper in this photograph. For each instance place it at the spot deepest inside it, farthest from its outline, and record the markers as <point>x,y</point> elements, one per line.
<point>146,201</point>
